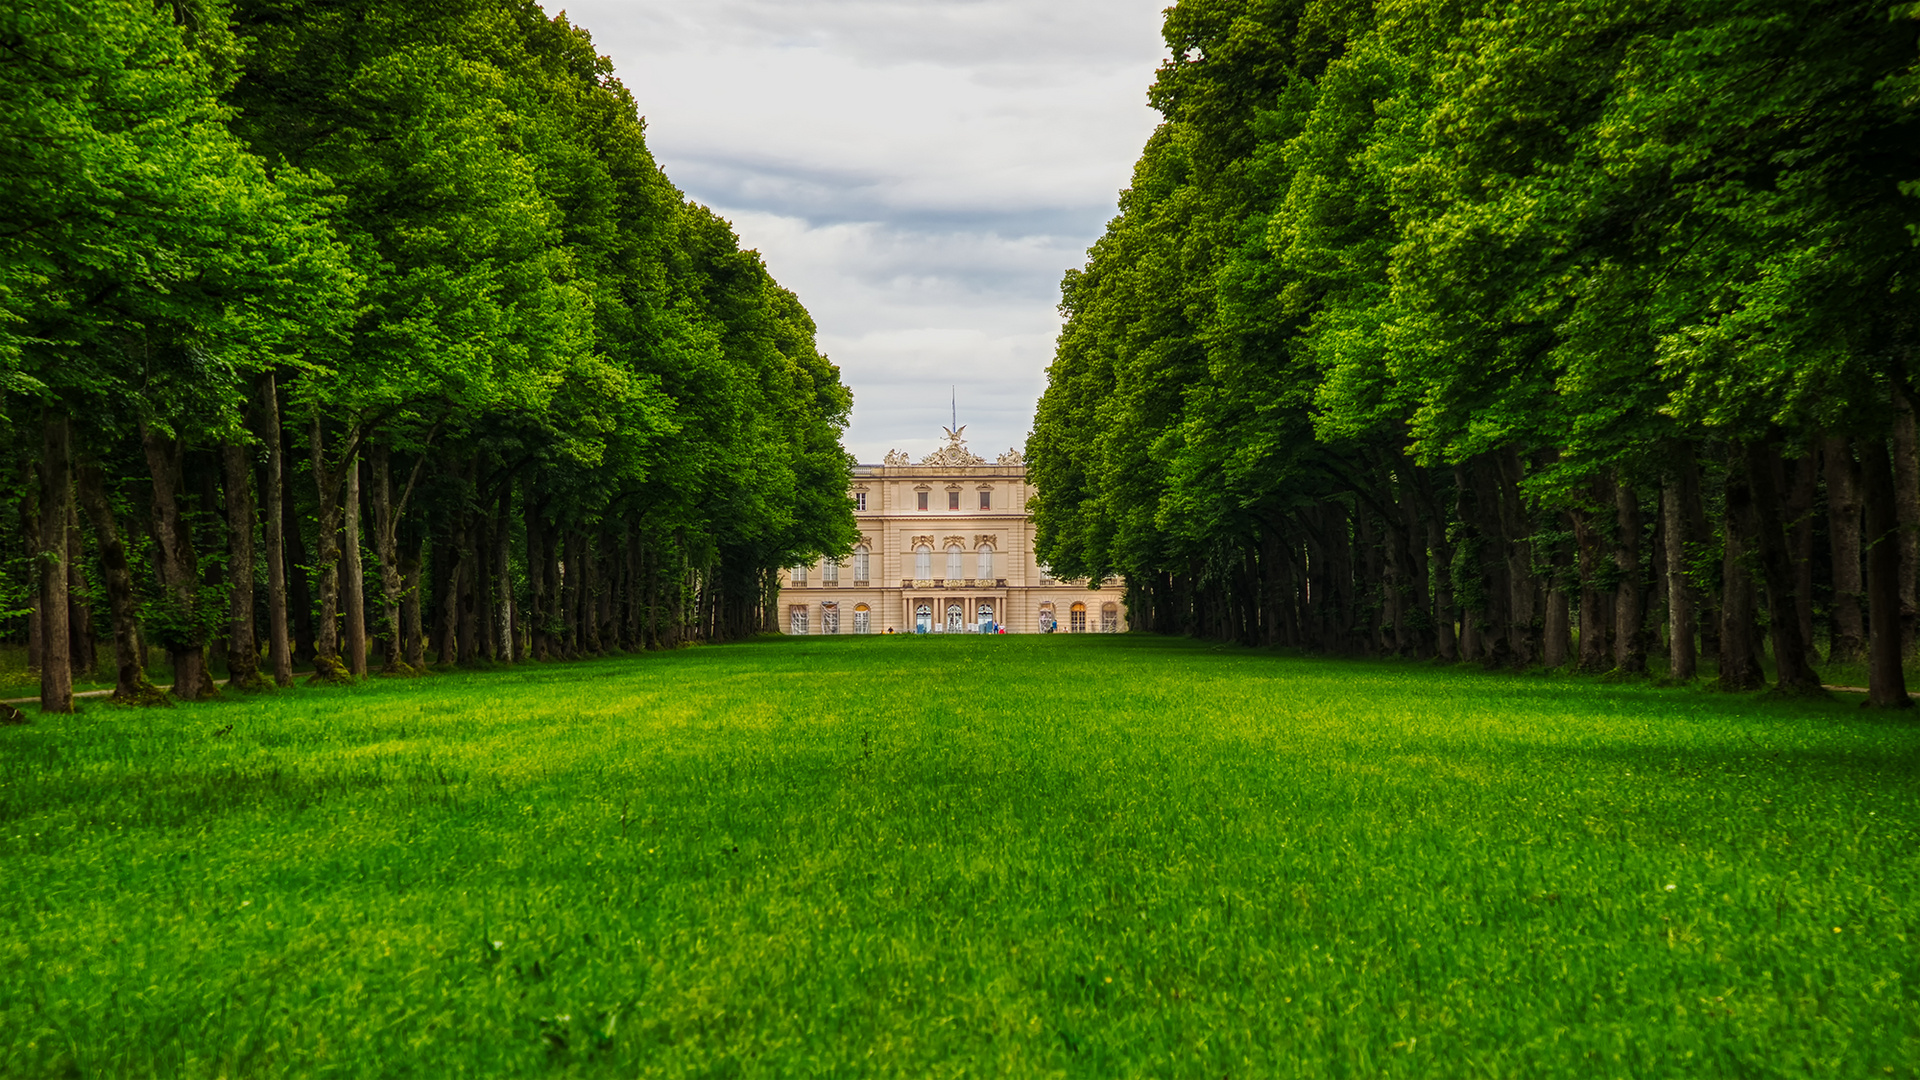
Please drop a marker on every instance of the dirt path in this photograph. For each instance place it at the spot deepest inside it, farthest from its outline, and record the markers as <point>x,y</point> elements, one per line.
<point>78,694</point>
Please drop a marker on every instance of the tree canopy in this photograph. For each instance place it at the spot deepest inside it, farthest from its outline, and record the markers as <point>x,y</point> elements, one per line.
<point>1418,314</point>
<point>288,285</point>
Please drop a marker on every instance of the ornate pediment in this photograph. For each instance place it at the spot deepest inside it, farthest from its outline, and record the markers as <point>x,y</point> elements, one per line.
<point>927,540</point>
<point>987,538</point>
<point>955,453</point>
<point>953,541</point>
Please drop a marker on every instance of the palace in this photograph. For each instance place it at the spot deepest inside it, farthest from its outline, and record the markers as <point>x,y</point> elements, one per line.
<point>945,547</point>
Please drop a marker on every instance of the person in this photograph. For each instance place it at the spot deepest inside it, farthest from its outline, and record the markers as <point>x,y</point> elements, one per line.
<point>889,629</point>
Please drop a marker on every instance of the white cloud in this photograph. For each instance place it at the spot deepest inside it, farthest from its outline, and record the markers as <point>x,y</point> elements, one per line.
<point>920,172</point>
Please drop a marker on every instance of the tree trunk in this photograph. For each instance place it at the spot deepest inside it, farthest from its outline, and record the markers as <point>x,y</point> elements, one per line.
<point>1372,594</point>
<point>386,546</point>
<point>590,598</point>
<point>1764,471</point>
<point>1413,537</point>
<point>79,613</point>
<point>273,521</point>
<point>503,571</point>
<point>56,494</point>
<point>537,548</point>
<point>299,574</point>
<point>183,633</point>
<point>1739,638</point>
<point>574,641</point>
<point>243,651</point>
<point>1706,590</point>
<point>1629,597</point>
<point>130,682</point>
<point>206,469</point>
<point>30,534</point>
<point>1675,495</point>
<point>1525,597</point>
<point>1849,638</point>
<point>480,628</point>
<point>1491,563</point>
<point>1596,601</point>
<point>450,644</point>
<point>1906,502</point>
<point>413,634</point>
<point>1556,641</point>
<point>327,666</point>
<point>1804,481</point>
<point>1886,682</point>
<point>353,588</point>
<point>1446,642</point>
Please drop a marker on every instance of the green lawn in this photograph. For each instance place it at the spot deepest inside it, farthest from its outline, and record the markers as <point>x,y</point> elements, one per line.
<point>1087,856</point>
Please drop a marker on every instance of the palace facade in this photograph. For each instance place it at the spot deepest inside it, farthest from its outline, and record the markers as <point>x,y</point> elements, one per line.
<point>945,548</point>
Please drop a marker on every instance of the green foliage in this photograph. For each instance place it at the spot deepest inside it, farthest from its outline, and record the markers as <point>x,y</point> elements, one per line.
<point>726,861</point>
<point>440,228</point>
<point>1552,239</point>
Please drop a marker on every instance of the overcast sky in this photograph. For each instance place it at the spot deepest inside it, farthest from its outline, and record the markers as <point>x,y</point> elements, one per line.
<point>920,172</point>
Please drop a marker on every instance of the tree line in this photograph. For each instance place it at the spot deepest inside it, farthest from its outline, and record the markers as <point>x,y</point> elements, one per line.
<point>335,331</point>
<point>1473,329</point>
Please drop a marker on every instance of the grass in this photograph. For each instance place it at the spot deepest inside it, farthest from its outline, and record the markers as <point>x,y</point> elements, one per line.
<point>963,856</point>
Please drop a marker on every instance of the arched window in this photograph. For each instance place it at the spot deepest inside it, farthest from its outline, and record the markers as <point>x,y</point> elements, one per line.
<point>797,619</point>
<point>923,562</point>
<point>862,619</point>
<point>956,618</point>
<point>1077,619</point>
<point>1109,618</point>
<point>983,617</point>
<point>983,561</point>
<point>923,618</point>
<point>830,618</point>
<point>861,563</point>
<point>954,570</point>
<point>798,575</point>
<point>1047,621</point>
<point>830,572</point>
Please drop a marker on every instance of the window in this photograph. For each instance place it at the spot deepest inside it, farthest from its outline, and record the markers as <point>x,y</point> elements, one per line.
<point>954,570</point>
<point>859,500</point>
<point>956,619</point>
<point>984,563</point>
<point>798,575</point>
<point>829,618</point>
<point>797,619</point>
<point>953,500</point>
<point>1109,618</point>
<point>1077,619</point>
<point>860,565</point>
<point>923,562</point>
<point>830,572</point>
<point>862,619</point>
<point>983,617</point>
<point>1047,621</point>
<point>923,619</point>
<point>986,500</point>
<point>923,499</point>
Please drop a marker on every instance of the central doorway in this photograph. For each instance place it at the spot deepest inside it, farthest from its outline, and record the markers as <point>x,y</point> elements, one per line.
<point>956,619</point>
<point>923,619</point>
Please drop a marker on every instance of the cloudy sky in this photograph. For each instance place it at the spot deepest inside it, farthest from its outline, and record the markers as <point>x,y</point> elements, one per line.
<point>920,172</point>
